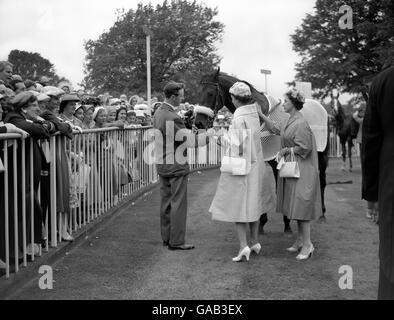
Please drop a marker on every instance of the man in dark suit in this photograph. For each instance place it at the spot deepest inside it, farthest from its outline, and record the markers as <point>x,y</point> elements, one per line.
<point>172,166</point>
<point>378,171</point>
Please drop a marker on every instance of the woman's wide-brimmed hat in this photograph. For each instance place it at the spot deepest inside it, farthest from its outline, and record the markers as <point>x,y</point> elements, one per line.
<point>70,98</point>
<point>240,89</point>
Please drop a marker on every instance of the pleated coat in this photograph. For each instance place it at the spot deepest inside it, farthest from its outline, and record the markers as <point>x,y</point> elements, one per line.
<point>245,198</point>
<point>300,198</point>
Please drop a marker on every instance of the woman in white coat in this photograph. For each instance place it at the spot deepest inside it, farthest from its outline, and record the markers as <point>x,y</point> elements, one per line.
<point>241,199</point>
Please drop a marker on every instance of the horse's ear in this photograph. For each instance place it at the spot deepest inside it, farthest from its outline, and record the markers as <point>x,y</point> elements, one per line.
<point>217,74</point>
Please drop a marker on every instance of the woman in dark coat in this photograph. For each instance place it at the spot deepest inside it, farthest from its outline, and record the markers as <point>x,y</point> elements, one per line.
<point>378,171</point>
<point>4,128</point>
<point>51,113</point>
<point>25,117</point>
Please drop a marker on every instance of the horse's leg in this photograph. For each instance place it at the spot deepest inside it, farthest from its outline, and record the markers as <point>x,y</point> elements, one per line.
<point>286,221</point>
<point>343,144</point>
<point>350,146</point>
<point>323,163</point>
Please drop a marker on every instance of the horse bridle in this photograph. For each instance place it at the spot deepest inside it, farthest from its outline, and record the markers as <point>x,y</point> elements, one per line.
<point>218,99</point>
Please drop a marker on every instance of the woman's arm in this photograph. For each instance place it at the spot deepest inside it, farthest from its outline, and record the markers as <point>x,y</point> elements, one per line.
<point>272,126</point>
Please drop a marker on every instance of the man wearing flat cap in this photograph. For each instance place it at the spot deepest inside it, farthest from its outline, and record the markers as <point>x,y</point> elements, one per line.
<point>172,173</point>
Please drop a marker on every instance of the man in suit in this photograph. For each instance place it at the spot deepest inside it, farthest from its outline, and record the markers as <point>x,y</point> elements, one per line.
<point>378,170</point>
<point>172,166</point>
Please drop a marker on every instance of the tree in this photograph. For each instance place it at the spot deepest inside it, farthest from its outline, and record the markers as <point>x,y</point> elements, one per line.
<point>182,47</point>
<point>344,59</point>
<point>33,66</point>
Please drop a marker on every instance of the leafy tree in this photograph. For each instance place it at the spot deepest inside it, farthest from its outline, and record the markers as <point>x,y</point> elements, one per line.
<point>182,48</point>
<point>33,66</point>
<point>344,59</point>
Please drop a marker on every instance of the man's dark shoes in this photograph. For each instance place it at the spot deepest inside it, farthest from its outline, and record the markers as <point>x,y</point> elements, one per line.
<point>181,247</point>
<point>166,243</point>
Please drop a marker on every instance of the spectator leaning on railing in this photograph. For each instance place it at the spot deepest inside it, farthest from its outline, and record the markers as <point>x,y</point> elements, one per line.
<point>4,128</point>
<point>25,116</point>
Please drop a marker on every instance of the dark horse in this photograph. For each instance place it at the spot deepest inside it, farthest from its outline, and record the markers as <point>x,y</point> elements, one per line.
<point>215,94</point>
<point>347,129</point>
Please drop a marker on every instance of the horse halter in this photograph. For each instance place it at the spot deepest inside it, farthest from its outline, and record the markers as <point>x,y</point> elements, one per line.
<point>218,99</point>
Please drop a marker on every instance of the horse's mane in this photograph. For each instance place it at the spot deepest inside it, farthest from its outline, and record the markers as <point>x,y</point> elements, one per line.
<point>259,97</point>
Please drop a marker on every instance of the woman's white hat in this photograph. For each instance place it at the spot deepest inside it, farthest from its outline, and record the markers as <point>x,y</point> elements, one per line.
<point>240,89</point>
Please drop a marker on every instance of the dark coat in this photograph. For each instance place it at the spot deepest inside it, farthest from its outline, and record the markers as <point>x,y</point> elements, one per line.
<point>62,169</point>
<point>37,130</point>
<point>163,115</point>
<point>60,125</point>
<point>378,162</point>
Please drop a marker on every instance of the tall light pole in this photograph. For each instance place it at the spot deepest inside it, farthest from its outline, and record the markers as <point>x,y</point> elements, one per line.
<point>265,72</point>
<point>148,34</point>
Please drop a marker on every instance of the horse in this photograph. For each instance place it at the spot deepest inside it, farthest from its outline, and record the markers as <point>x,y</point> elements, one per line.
<point>346,129</point>
<point>215,95</point>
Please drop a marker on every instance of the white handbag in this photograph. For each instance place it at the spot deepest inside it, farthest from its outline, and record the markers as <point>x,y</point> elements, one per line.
<point>289,169</point>
<point>234,165</point>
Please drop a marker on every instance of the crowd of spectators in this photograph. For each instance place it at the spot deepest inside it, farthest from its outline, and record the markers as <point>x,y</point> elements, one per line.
<point>41,108</point>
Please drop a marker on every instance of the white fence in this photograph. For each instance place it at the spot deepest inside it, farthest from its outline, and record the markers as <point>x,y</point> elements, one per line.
<point>80,180</point>
<point>335,148</point>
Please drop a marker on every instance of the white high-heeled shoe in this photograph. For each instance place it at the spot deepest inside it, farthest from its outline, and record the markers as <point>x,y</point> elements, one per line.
<point>244,252</point>
<point>307,255</point>
<point>256,248</point>
<point>295,247</point>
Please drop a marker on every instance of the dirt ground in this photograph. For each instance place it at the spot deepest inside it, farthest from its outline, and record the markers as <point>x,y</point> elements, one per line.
<point>126,259</point>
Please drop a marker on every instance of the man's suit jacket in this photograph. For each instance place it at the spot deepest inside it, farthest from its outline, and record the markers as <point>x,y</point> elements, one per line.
<point>377,153</point>
<point>165,117</point>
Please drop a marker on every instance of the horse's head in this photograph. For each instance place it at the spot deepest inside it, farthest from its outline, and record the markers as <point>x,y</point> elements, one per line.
<point>211,97</point>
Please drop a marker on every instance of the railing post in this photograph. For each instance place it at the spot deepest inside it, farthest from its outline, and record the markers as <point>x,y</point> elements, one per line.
<point>53,209</point>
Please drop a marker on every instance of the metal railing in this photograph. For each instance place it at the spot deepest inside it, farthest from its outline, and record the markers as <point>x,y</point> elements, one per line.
<point>79,180</point>
<point>335,148</point>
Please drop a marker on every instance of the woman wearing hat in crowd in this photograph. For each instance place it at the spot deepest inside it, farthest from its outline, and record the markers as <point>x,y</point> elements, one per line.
<point>4,128</point>
<point>51,113</point>
<point>68,106</point>
<point>25,116</point>
<point>298,198</point>
<point>88,122</point>
<point>67,110</point>
<point>80,113</point>
<point>134,100</point>
<point>121,114</point>
<point>253,196</point>
<point>99,117</point>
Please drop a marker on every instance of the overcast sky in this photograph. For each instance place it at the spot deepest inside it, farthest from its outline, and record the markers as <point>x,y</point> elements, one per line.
<point>256,36</point>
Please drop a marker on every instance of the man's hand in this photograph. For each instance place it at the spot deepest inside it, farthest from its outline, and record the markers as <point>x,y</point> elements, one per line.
<point>13,129</point>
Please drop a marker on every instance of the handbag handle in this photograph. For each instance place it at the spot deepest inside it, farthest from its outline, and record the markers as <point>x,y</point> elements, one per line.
<point>292,155</point>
